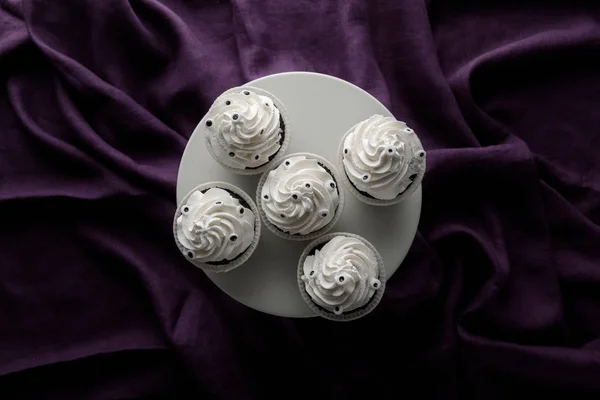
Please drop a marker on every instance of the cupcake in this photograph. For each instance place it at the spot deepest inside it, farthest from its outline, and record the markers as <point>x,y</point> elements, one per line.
<point>341,276</point>
<point>217,227</point>
<point>382,159</point>
<point>300,199</point>
<point>246,129</point>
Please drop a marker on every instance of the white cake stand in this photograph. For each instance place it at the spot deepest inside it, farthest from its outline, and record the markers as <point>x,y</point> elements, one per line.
<point>321,109</point>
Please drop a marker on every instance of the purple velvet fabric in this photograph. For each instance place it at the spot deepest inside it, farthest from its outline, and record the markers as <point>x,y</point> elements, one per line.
<point>498,297</point>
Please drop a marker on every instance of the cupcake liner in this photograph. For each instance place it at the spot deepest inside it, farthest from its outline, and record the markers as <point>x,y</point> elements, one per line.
<point>360,195</point>
<point>355,314</point>
<point>218,155</point>
<point>338,212</point>
<point>245,255</point>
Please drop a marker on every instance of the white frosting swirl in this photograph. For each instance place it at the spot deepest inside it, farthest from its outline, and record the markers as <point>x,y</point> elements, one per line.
<point>300,196</point>
<point>244,129</point>
<point>214,226</point>
<point>342,276</point>
<point>382,157</point>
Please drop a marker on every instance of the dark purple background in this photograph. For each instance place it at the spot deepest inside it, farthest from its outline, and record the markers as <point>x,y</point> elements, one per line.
<point>499,295</point>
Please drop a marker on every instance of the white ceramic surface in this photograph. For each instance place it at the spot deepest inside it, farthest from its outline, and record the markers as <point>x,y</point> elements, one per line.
<point>321,109</point>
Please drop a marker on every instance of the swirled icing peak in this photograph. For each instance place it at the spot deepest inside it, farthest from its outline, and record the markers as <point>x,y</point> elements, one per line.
<point>382,157</point>
<point>300,196</point>
<point>342,276</point>
<point>214,226</point>
<point>244,128</point>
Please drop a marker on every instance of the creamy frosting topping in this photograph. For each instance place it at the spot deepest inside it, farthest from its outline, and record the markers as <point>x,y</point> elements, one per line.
<point>382,157</point>
<point>244,129</point>
<point>300,196</point>
<point>214,226</point>
<point>342,275</point>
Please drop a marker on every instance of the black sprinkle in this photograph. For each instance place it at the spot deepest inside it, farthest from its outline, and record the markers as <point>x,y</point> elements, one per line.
<point>282,216</point>
<point>295,196</point>
<point>345,151</point>
<point>390,151</point>
<point>247,93</point>
<point>267,104</point>
<point>266,197</point>
<point>235,117</point>
<point>375,285</point>
<point>231,154</point>
<point>341,279</point>
<point>233,238</point>
<point>262,131</point>
<point>287,163</point>
<point>312,273</point>
<point>365,178</point>
<point>332,185</point>
<point>186,209</point>
<point>422,154</point>
<point>256,157</point>
<point>218,202</point>
<point>209,123</point>
<point>324,215</point>
<point>337,309</point>
<point>190,254</point>
<point>227,102</point>
<point>307,185</point>
<point>241,210</point>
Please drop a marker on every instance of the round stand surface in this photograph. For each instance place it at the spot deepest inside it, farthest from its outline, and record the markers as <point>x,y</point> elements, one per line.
<point>321,109</point>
